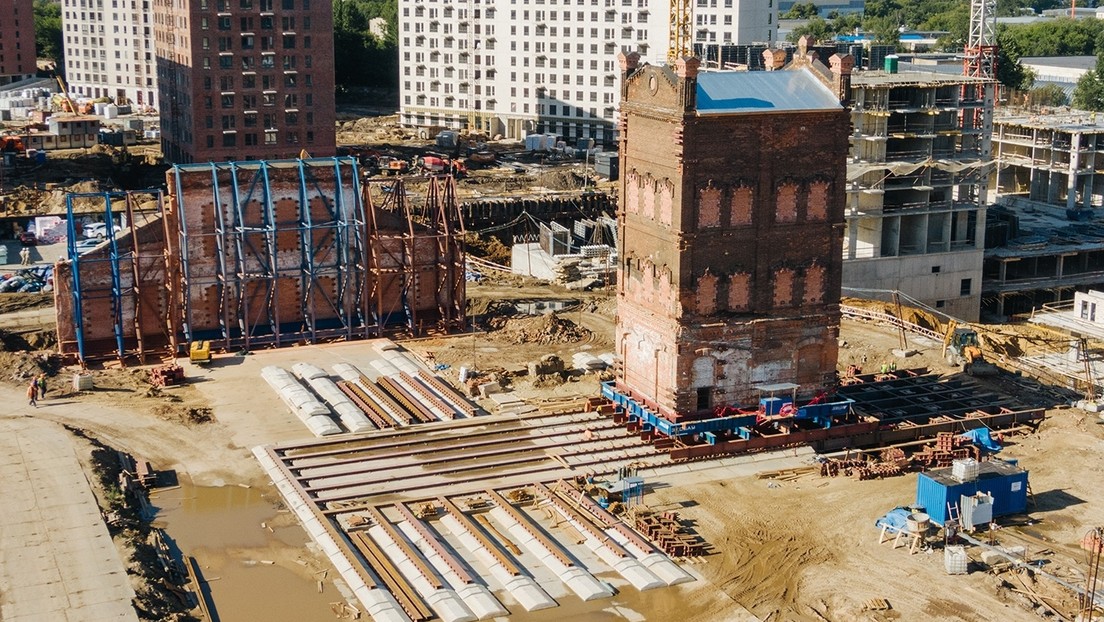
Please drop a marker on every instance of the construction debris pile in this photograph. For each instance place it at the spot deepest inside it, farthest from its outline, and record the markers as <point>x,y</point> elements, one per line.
<point>28,280</point>
<point>942,452</point>
<point>543,330</point>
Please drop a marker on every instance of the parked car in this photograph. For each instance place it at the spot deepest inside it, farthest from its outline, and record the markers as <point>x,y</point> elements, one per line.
<point>84,246</point>
<point>96,230</point>
<point>27,238</point>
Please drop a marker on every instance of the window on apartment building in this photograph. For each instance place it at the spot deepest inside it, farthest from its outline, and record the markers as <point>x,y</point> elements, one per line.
<point>208,102</point>
<point>207,83</point>
<point>247,63</point>
<point>306,23</point>
<point>267,22</point>
<point>268,42</point>
<point>288,22</point>
<point>226,83</point>
<point>227,101</point>
<point>226,61</point>
<point>230,140</point>
<point>269,121</point>
<point>247,42</point>
<point>965,286</point>
<point>291,100</point>
<point>268,99</point>
<point>210,141</point>
<point>936,269</point>
<point>306,5</point>
<point>224,23</point>
<point>292,138</point>
<point>268,61</point>
<point>249,102</point>
<point>210,122</point>
<point>291,118</point>
<point>310,98</point>
<point>229,121</point>
<point>310,136</point>
<point>203,23</point>
<point>307,42</point>
<point>249,82</point>
<point>270,138</point>
<point>250,120</point>
<point>287,5</point>
<point>289,42</point>
<point>250,140</point>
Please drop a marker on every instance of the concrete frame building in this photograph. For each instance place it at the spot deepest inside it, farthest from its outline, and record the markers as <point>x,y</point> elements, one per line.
<point>17,50</point>
<point>731,230</point>
<point>1044,242</point>
<point>245,79</point>
<point>109,50</point>
<point>917,187</point>
<point>543,65</point>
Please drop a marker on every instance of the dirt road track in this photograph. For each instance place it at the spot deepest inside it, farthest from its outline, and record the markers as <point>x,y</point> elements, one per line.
<point>57,560</point>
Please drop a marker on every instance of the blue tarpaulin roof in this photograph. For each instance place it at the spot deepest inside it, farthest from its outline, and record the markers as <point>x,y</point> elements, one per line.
<point>727,92</point>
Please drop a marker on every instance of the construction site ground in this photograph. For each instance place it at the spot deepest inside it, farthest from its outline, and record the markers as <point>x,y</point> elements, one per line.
<point>797,548</point>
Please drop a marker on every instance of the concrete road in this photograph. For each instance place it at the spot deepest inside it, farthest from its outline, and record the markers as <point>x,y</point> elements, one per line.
<point>57,560</point>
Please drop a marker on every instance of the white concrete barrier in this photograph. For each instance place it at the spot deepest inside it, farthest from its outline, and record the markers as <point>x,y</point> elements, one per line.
<point>475,595</point>
<point>379,603</point>
<point>444,601</point>
<point>579,580</point>
<point>523,588</point>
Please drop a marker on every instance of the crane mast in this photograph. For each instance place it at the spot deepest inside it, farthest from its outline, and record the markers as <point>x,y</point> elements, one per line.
<point>981,45</point>
<point>679,35</point>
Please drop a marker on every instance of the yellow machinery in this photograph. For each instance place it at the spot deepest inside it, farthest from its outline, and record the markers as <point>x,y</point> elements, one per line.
<point>199,352</point>
<point>65,94</point>
<point>961,347</point>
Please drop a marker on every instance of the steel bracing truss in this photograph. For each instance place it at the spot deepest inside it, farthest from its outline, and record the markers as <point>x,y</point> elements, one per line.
<point>301,251</point>
<point>97,276</point>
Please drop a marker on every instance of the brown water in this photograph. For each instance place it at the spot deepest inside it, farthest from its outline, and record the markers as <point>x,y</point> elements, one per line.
<point>253,572</point>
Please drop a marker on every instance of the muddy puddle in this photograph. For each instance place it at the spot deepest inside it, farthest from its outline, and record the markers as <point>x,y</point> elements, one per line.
<point>252,553</point>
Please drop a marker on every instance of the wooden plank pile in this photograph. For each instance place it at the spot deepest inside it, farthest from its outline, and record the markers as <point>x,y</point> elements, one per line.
<point>948,448</point>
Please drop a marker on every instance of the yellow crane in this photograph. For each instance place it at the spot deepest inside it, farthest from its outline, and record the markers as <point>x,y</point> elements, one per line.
<point>65,94</point>
<point>679,43</point>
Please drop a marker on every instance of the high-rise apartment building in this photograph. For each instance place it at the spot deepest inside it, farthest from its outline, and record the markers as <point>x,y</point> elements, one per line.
<point>17,48</point>
<point>109,50</point>
<point>515,67</point>
<point>245,79</point>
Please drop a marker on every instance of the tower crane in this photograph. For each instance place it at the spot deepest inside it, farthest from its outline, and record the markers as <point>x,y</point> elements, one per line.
<point>981,46</point>
<point>680,43</point>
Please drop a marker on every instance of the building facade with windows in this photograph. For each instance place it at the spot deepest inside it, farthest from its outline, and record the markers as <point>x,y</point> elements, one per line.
<point>17,49</point>
<point>245,79</point>
<point>109,50</point>
<point>516,67</point>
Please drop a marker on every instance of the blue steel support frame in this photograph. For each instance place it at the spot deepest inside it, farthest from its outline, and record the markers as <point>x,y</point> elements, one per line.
<point>184,265</point>
<point>74,260</point>
<point>220,247</point>
<point>332,246</point>
<point>116,282</point>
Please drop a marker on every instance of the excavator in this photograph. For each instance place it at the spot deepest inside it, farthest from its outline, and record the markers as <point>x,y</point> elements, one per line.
<point>961,347</point>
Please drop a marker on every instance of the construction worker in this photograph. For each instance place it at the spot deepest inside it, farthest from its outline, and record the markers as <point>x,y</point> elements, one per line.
<point>25,256</point>
<point>41,382</point>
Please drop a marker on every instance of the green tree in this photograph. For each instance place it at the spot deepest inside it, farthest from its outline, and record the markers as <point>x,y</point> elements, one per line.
<point>801,10</point>
<point>362,59</point>
<point>886,30</point>
<point>48,37</point>
<point>1010,72</point>
<point>1089,94</point>
<point>816,27</point>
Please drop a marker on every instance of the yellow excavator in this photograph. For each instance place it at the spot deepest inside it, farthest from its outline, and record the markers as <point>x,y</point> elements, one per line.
<point>961,347</point>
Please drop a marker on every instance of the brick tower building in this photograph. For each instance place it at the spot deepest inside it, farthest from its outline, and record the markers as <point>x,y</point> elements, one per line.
<point>731,226</point>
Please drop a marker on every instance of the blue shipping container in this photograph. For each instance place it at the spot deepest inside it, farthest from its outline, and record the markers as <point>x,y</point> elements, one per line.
<point>1006,483</point>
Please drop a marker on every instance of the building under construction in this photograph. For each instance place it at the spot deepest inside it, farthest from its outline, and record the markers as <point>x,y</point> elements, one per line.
<point>243,254</point>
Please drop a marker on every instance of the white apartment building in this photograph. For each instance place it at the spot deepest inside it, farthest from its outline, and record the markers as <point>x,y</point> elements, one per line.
<point>516,67</point>
<point>109,50</point>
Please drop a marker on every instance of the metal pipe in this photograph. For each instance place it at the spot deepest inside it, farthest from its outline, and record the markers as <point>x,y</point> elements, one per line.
<point>74,259</point>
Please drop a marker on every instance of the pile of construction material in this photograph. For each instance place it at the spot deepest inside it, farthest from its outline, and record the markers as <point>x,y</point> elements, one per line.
<point>583,272</point>
<point>509,403</point>
<point>29,280</point>
<point>313,413</point>
<point>544,330</point>
<point>591,362</point>
<point>349,413</point>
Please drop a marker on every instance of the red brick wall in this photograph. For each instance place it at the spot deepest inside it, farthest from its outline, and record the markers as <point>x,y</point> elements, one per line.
<point>737,283</point>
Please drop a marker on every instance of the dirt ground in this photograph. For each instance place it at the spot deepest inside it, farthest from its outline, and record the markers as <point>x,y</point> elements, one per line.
<point>797,550</point>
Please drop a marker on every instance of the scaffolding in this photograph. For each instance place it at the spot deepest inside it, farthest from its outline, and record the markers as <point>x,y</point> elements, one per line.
<point>270,253</point>
<point>114,287</point>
